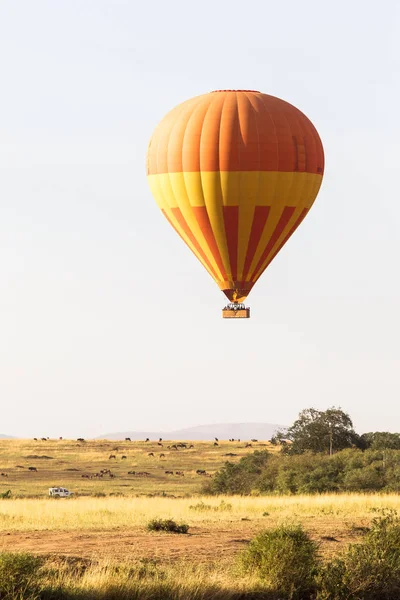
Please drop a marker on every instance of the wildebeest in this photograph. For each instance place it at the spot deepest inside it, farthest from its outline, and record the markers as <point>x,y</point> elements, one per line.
<point>35,439</point>
<point>123,457</point>
<point>253,440</point>
<point>191,446</point>
<point>159,444</point>
<point>80,440</point>
<point>215,443</point>
<point>112,456</point>
<point>4,475</point>
<point>127,439</point>
<point>200,471</point>
<point>150,454</point>
<point>162,455</point>
<point>216,439</point>
<point>44,439</point>
<point>160,439</point>
<point>180,473</point>
<point>248,446</point>
<point>32,469</point>
<point>147,440</point>
<point>169,472</point>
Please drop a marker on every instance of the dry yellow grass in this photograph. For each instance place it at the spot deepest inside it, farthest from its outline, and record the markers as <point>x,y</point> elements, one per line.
<point>68,460</point>
<point>114,512</point>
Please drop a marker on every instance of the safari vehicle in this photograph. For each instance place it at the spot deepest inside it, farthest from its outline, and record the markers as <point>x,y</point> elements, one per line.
<point>60,492</point>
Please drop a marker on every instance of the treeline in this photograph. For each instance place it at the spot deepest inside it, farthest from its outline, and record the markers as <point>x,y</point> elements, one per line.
<point>349,470</point>
<point>319,453</point>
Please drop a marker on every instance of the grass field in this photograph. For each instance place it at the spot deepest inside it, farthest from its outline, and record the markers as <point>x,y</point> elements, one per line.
<point>63,462</point>
<point>94,543</point>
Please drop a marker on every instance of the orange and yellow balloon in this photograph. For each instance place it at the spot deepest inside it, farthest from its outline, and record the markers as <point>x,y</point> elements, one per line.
<point>235,172</point>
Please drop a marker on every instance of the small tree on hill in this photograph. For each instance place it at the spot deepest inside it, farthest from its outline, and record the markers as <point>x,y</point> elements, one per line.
<point>320,431</point>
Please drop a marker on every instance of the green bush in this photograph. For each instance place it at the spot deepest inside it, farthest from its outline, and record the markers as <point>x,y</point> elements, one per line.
<point>167,525</point>
<point>369,570</point>
<point>285,558</point>
<point>19,576</point>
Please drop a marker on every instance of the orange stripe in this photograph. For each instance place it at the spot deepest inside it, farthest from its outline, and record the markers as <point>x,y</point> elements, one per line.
<point>200,212</point>
<point>291,232</point>
<point>283,221</point>
<point>231,221</point>
<point>259,220</point>
<point>179,217</point>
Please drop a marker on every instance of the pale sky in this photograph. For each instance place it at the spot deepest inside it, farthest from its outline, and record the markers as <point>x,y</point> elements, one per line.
<point>107,321</point>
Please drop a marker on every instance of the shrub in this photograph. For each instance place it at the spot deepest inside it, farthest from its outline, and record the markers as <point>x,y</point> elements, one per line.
<point>369,570</point>
<point>285,558</point>
<point>203,507</point>
<point>19,577</point>
<point>167,525</point>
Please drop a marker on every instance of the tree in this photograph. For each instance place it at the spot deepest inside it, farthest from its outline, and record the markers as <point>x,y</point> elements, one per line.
<point>320,431</point>
<point>381,440</point>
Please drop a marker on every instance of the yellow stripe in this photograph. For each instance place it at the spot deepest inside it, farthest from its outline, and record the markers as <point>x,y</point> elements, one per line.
<point>245,189</point>
<point>156,189</point>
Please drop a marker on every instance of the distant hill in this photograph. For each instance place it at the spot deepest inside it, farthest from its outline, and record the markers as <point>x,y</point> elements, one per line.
<point>6,437</point>
<point>223,431</point>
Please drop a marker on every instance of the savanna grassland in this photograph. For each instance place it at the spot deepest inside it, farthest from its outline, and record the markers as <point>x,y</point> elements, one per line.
<point>67,463</point>
<point>97,544</point>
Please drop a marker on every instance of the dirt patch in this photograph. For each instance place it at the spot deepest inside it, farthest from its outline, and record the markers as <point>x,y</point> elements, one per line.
<point>199,545</point>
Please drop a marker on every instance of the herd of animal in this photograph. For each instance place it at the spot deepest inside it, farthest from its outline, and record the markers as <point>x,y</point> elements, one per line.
<point>117,456</point>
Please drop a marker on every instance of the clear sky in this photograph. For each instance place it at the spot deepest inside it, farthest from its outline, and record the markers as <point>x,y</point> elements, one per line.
<point>107,321</point>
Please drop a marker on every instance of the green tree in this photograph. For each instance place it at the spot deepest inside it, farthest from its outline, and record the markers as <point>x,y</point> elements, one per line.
<point>320,431</point>
<point>381,440</point>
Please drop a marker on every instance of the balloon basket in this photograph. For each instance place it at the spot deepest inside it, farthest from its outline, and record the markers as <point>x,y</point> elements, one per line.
<point>235,310</point>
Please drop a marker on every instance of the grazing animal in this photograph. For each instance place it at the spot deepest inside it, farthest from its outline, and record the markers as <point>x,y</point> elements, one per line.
<point>230,454</point>
<point>4,475</point>
<point>174,447</point>
<point>150,454</point>
<point>35,439</point>
<point>44,439</point>
<point>191,446</point>
<point>248,446</point>
<point>80,440</point>
<point>169,472</point>
<point>180,473</point>
<point>127,439</point>
<point>123,457</point>
<point>32,469</point>
<point>159,444</point>
<point>147,440</point>
<point>215,443</point>
<point>60,438</point>
<point>19,467</point>
<point>162,455</point>
<point>131,472</point>
<point>160,439</point>
<point>200,471</point>
<point>254,440</point>
<point>112,456</point>
<point>216,439</point>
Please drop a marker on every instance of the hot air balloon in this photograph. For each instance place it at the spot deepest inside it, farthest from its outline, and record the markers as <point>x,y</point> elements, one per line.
<point>235,172</point>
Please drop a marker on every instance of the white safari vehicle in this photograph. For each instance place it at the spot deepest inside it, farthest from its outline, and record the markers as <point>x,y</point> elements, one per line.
<point>60,492</point>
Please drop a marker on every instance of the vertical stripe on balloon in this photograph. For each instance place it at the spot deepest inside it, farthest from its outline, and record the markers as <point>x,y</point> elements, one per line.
<point>283,221</point>
<point>259,221</point>
<point>231,222</point>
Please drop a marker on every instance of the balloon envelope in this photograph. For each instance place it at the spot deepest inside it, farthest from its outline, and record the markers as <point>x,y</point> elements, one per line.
<point>235,172</point>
